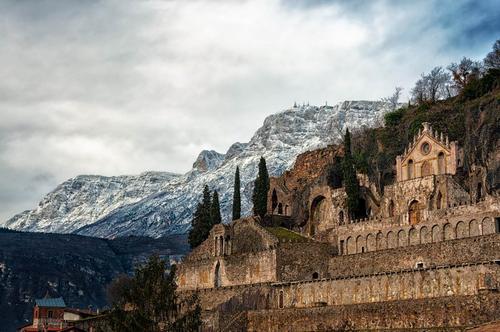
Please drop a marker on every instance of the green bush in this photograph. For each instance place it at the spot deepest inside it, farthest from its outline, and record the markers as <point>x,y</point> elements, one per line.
<point>394,118</point>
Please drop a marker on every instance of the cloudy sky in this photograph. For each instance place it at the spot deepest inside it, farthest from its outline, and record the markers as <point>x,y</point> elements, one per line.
<point>121,87</point>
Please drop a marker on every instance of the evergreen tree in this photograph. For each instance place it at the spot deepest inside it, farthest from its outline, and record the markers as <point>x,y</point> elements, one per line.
<point>215,209</point>
<point>349,178</point>
<point>202,220</point>
<point>237,195</point>
<point>261,188</point>
<point>152,303</point>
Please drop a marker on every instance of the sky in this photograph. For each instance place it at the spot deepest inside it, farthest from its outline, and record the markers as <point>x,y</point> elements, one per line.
<point>123,87</point>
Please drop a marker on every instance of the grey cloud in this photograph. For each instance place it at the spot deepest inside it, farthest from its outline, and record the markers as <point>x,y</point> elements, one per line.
<point>121,87</point>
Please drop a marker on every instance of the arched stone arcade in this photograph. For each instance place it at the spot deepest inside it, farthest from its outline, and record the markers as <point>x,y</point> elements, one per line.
<point>417,235</point>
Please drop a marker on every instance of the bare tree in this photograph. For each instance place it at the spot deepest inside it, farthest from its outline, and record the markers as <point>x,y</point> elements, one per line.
<point>419,91</point>
<point>432,87</point>
<point>394,98</point>
<point>464,72</point>
<point>437,80</point>
<point>492,60</point>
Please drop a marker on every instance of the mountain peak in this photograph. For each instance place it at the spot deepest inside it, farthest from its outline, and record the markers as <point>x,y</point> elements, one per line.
<point>160,203</point>
<point>208,160</point>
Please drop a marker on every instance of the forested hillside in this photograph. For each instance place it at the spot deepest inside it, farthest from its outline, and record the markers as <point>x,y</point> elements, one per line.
<point>78,268</point>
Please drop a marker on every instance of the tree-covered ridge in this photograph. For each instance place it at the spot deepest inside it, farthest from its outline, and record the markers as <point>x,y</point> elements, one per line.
<point>471,118</point>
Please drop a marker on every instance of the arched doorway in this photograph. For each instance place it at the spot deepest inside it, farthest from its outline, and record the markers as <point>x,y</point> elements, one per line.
<point>217,278</point>
<point>441,163</point>
<point>414,213</point>
<point>280,208</point>
<point>411,170</point>
<point>274,201</point>
<point>318,214</point>
<point>426,169</point>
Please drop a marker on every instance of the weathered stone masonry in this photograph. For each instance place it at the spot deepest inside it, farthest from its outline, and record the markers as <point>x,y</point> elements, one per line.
<point>425,256</point>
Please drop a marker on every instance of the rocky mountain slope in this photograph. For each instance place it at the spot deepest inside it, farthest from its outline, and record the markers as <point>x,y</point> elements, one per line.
<point>157,203</point>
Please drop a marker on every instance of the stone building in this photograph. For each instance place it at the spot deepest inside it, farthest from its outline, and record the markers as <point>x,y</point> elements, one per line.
<point>425,256</point>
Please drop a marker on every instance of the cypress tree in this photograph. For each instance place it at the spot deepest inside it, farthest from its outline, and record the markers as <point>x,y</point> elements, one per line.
<point>349,178</point>
<point>194,237</point>
<point>202,220</point>
<point>215,209</point>
<point>261,187</point>
<point>237,195</point>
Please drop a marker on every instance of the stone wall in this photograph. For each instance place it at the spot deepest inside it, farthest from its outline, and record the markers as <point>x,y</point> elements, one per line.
<point>473,249</point>
<point>229,270</point>
<point>441,281</point>
<point>439,314</point>
<point>453,223</point>
<point>303,261</point>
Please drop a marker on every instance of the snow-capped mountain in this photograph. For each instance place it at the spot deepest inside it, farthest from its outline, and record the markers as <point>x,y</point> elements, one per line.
<point>160,203</point>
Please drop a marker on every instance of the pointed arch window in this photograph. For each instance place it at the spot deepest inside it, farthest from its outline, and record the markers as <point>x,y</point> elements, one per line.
<point>411,169</point>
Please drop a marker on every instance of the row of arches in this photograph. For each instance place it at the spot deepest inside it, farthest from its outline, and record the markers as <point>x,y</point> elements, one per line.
<point>416,235</point>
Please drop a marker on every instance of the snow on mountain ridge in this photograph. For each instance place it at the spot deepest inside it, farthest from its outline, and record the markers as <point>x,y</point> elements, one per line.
<point>157,203</point>
<point>208,160</point>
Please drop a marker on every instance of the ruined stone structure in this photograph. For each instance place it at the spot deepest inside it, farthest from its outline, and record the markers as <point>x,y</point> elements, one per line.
<point>426,255</point>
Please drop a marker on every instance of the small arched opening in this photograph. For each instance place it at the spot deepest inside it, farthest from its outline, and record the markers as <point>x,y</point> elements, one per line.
<point>441,163</point>
<point>280,300</point>
<point>479,192</point>
<point>390,208</point>
<point>439,201</point>
<point>364,210</point>
<point>227,246</point>
<point>280,208</point>
<point>221,245</point>
<point>217,277</point>
<point>341,217</point>
<point>414,213</point>
<point>315,275</point>
<point>274,200</point>
<point>411,169</point>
